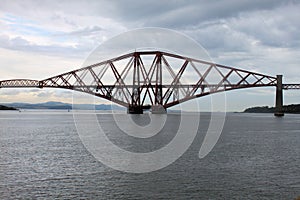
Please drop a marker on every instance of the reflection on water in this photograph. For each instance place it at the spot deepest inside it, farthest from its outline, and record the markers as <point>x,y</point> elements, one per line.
<point>257,157</point>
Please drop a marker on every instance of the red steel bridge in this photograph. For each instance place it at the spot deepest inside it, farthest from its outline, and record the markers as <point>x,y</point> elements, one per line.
<point>156,80</point>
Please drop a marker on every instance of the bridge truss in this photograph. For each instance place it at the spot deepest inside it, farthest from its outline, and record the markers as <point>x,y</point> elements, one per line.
<point>152,79</point>
<point>291,86</point>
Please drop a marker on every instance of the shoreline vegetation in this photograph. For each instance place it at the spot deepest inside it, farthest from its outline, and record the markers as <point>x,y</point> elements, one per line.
<point>292,109</point>
<point>7,108</point>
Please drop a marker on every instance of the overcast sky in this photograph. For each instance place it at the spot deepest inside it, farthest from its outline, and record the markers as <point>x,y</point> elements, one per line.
<point>39,39</point>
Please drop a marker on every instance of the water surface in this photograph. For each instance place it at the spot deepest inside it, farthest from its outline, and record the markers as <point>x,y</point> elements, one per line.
<point>256,157</point>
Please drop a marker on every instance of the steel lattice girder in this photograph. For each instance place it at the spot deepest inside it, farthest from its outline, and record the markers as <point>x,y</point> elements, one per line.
<point>19,83</point>
<point>291,86</point>
<point>151,77</point>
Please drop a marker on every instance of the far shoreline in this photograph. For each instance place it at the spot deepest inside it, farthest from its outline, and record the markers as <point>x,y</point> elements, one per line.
<point>288,109</point>
<point>7,108</point>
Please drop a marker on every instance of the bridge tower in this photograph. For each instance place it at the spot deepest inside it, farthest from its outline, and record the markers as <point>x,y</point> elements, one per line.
<point>158,108</point>
<point>279,98</point>
<point>135,107</point>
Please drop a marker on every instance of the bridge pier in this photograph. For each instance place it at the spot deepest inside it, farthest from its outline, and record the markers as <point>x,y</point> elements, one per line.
<point>135,110</point>
<point>158,109</point>
<point>155,109</point>
<point>279,98</point>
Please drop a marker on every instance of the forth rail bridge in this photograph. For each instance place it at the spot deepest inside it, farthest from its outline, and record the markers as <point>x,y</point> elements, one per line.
<point>156,80</point>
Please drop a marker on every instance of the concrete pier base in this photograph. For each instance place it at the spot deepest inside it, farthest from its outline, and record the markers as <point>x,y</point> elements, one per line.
<point>158,109</point>
<point>279,98</point>
<point>135,110</point>
<point>279,114</point>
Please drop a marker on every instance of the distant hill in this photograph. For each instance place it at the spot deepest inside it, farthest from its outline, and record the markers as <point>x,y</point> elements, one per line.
<point>66,106</point>
<point>7,108</point>
<point>294,109</point>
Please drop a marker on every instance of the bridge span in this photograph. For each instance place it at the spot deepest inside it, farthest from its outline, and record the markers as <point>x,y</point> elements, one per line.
<point>156,80</point>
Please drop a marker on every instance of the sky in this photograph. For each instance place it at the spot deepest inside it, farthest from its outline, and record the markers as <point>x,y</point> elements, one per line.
<point>40,39</point>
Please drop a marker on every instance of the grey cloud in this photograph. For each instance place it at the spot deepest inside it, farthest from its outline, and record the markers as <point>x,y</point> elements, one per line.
<point>251,36</point>
<point>44,94</point>
<point>35,90</point>
<point>10,92</point>
<point>181,15</point>
<point>232,31</point>
<point>63,94</point>
<point>278,28</point>
<point>21,44</point>
<point>87,31</point>
<point>173,14</point>
<point>56,93</point>
<point>220,38</point>
<point>176,14</point>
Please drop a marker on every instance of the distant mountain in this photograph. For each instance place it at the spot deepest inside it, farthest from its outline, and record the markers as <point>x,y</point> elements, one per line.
<point>294,109</point>
<point>7,108</point>
<point>66,106</point>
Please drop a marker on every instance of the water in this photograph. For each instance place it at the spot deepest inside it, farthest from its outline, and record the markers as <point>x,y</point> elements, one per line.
<point>256,157</point>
